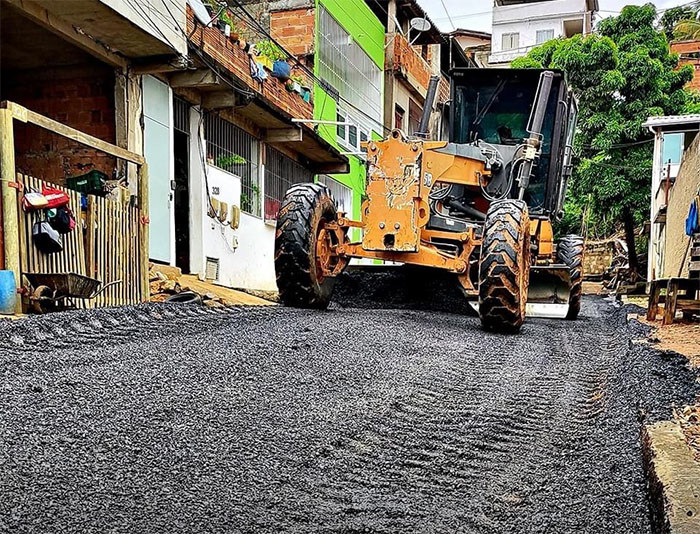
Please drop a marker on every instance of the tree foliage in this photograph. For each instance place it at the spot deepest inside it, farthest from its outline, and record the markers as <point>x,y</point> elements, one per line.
<point>621,76</point>
<point>671,17</point>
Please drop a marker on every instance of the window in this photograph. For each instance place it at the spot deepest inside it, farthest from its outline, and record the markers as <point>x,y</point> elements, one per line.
<point>673,148</point>
<point>544,35</point>
<point>281,172</point>
<point>342,129</point>
<point>351,135</point>
<point>341,193</point>
<point>414,116</point>
<point>398,117</point>
<point>348,68</point>
<point>510,41</point>
<point>234,150</point>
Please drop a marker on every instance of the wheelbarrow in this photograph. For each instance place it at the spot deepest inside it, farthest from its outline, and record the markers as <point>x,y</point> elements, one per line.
<point>54,291</point>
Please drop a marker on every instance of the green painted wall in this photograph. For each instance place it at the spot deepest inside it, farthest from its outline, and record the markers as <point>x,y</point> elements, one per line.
<point>367,31</point>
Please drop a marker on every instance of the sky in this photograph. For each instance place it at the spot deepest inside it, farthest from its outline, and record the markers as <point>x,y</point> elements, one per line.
<point>476,14</point>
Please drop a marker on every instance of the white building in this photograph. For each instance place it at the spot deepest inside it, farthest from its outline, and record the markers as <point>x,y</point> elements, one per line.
<point>520,25</point>
<point>672,137</point>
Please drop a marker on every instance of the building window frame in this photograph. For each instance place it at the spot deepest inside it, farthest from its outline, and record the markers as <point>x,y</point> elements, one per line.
<point>510,41</point>
<point>542,36</point>
<point>226,143</point>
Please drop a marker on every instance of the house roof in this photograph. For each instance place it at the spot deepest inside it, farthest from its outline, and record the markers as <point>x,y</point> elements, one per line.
<point>459,32</point>
<point>410,9</point>
<point>673,121</point>
<point>592,5</point>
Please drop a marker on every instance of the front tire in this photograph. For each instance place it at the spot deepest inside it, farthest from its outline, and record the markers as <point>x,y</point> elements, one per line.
<point>570,252</point>
<point>303,212</point>
<point>504,266</point>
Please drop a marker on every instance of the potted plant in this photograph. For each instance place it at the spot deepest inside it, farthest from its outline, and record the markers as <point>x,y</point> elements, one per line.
<point>294,84</point>
<point>269,53</point>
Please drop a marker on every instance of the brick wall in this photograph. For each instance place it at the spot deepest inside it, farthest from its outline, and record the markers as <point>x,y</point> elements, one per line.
<point>409,64</point>
<point>82,98</point>
<point>294,29</point>
<point>226,53</point>
<point>689,52</point>
<point>683,191</point>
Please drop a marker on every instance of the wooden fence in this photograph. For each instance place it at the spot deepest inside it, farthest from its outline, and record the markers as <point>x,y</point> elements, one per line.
<point>104,245</point>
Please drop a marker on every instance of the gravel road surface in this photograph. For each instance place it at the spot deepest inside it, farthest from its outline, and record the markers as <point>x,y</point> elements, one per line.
<point>184,419</point>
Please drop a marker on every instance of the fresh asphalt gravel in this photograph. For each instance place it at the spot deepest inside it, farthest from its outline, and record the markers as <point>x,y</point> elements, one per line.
<point>178,418</point>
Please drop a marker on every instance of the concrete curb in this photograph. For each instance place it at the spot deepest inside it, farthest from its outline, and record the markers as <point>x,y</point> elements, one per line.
<point>674,479</point>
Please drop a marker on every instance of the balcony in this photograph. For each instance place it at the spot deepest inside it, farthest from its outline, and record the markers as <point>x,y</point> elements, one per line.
<point>228,55</point>
<point>407,63</point>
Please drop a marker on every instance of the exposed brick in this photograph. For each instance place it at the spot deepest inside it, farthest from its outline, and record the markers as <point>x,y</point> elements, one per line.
<point>84,102</point>
<point>294,29</point>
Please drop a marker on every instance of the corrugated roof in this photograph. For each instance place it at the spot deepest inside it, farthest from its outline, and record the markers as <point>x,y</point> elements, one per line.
<point>672,120</point>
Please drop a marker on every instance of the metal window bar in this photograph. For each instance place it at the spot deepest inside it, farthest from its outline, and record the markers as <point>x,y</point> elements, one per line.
<point>236,151</point>
<point>341,193</point>
<point>348,68</point>
<point>181,114</point>
<point>281,172</point>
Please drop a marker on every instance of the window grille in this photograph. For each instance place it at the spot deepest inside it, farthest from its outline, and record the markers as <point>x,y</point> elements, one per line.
<point>347,67</point>
<point>341,193</point>
<point>543,36</point>
<point>236,151</point>
<point>510,41</point>
<point>281,172</point>
<point>181,113</point>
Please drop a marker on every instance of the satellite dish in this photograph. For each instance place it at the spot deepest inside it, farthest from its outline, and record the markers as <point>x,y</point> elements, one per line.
<point>421,25</point>
<point>200,11</point>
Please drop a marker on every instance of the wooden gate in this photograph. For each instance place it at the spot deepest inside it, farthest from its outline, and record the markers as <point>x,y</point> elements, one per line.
<point>104,245</point>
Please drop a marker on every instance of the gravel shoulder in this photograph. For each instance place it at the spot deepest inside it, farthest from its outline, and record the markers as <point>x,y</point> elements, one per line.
<point>183,419</point>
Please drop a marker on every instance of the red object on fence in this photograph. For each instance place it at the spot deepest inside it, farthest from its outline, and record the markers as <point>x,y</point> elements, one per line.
<point>56,197</point>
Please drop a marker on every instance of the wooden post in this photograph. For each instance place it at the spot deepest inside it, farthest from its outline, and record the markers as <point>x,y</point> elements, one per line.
<point>144,231</point>
<point>8,178</point>
<point>671,299</point>
<point>654,296</point>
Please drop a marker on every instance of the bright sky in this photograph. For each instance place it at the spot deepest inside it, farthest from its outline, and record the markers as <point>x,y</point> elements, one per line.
<point>476,15</point>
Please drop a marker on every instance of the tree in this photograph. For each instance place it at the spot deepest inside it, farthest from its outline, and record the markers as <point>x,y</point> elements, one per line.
<point>621,76</point>
<point>672,17</point>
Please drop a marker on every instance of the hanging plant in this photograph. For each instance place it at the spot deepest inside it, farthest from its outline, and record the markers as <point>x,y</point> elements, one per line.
<point>226,162</point>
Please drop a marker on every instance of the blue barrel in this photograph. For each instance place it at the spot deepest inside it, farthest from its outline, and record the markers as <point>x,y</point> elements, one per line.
<point>8,293</point>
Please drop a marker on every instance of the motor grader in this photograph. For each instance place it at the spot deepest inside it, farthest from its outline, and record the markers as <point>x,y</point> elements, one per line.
<point>480,205</point>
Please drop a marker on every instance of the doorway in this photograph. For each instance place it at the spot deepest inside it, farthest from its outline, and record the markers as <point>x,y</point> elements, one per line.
<point>181,148</point>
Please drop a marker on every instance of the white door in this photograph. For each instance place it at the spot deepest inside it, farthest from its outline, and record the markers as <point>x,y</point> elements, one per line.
<point>157,145</point>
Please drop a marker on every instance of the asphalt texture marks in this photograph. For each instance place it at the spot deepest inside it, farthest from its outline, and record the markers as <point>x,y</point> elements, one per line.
<point>185,419</point>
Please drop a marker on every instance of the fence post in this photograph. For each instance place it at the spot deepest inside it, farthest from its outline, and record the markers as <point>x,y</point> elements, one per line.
<point>144,231</point>
<point>8,178</point>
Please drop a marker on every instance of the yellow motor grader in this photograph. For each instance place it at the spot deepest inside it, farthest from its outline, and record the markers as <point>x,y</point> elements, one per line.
<point>480,205</point>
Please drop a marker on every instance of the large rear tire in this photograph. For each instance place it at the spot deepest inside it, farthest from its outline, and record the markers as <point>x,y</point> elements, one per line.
<point>504,266</point>
<point>570,252</point>
<point>303,212</point>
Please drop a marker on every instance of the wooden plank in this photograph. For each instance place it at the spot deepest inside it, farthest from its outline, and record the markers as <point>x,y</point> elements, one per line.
<point>26,115</point>
<point>10,216</point>
<point>671,299</point>
<point>654,294</point>
<point>143,231</point>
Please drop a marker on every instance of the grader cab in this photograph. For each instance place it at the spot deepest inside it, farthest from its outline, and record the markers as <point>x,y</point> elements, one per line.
<point>480,205</point>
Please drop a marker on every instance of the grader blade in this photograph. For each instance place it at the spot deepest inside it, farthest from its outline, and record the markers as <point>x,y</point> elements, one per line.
<point>548,294</point>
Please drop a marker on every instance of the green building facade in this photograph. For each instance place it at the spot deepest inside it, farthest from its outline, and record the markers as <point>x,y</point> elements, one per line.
<point>349,57</point>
